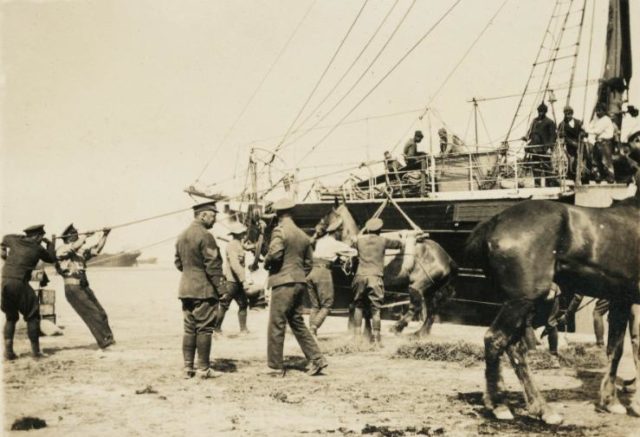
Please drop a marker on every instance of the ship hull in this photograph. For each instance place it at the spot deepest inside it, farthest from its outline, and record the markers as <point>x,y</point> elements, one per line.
<point>448,221</point>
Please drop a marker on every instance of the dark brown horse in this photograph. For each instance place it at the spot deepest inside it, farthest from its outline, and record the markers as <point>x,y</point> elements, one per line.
<point>592,251</point>
<point>423,268</point>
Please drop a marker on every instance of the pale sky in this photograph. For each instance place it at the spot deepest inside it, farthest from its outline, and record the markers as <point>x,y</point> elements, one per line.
<point>111,108</point>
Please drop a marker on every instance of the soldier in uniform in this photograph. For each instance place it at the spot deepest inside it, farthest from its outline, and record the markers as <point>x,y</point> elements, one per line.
<point>541,137</point>
<point>236,280</point>
<point>368,283</point>
<point>71,265</point>
<point>290,253</point>
<point>201,283</point>
<point>21,254</point>
<point>320,281</point>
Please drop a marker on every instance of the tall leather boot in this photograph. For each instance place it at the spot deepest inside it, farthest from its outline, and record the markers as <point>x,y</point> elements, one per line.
<point>203,349</point>
<point>188,353</point>
<point>33,331</point>
<point>242,320</point>
<point>9,332</point>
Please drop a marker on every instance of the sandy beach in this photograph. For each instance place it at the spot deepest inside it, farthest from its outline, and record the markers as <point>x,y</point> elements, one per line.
<point>137,389</point>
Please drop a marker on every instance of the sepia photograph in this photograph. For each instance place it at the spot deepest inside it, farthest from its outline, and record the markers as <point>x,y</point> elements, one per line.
<point>379,218</point>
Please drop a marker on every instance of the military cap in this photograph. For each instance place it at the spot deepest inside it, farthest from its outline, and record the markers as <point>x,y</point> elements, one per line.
<point>237,228</point>
<point>442,131</point>
<point>568,109</point>
<point>374,224</point>
<point>418,134</point>
<point>283,204</point>
<point>206,206</point>
<point>34,230</point>
<point>334,226</point>
<point>542,107</point>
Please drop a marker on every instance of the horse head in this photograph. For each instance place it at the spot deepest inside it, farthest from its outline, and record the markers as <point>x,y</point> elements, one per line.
<point>349,227</point>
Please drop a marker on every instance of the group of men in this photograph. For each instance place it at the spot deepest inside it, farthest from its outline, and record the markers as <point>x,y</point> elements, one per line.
<point>543,133</point>
<point>297,265</point>
<point>21,255</point>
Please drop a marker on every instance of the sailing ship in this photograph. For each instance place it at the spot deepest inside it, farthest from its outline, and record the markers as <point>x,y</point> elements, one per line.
<point>448,194</point>
<point>120,259</point>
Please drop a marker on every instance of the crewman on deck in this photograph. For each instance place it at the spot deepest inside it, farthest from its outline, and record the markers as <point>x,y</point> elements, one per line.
<point>201,285</point>
<point>71,265</point>
<point>368,283</point>
<point>540,139</point>
<point>320,281</point>
<point>570,129</point>
<point>21,254</point>
<point>236,279</point>
<point>602,131</point>
<point>411,155</point>
<point>290,254</point>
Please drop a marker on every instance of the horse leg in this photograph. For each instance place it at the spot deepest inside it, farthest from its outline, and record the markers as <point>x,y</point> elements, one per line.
<point>434,304</point>
<point>634,331</point>
<point>618,318</point>
<point>535,401</point>
<point>506,328</point>
<point>415,304</point>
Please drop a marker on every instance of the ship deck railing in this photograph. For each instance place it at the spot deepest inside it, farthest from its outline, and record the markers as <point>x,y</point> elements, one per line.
<point>430,177</point>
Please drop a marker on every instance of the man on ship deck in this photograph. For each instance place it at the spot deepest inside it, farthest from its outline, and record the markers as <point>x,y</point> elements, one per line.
<point>540,139</point>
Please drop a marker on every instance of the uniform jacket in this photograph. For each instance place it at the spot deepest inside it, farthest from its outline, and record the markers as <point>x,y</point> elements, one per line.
<point>371,249</point>
<point>542,132</point>
<point>73,262</point>
<point>290,254</point>
<point>198,258</point>
<point>234,268</point>
<point>21,256</point>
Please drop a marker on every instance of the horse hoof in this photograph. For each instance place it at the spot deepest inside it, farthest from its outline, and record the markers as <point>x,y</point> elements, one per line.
<point>616,408</point>
<point>502,412</point>
<point>629,386</point>
<point>552,418</point>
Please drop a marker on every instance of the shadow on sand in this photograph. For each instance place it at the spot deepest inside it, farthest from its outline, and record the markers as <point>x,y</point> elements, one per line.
<point>587,391</point>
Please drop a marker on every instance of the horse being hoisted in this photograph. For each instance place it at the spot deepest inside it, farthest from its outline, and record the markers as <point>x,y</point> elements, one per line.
<point>591,251</point>
<point>423,268</point>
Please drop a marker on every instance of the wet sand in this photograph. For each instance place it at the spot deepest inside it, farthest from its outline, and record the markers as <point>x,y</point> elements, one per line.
<point>79,391</point>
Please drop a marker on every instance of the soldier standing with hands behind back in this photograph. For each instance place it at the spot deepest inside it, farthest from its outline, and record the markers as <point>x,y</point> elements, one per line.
<point>201,285</point>
<point>21,254</point>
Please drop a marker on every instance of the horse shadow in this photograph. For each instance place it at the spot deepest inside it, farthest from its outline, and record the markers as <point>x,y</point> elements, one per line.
<point>55,349</point>
<point>587,391</point>
<point>226,365</point>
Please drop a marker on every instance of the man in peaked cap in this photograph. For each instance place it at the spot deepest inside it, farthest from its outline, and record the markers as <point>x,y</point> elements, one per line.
<point>290,254</point>
<point>71,264</point>
<point>540,139</point>
<point>368,284</point>
<point>236,279</point>
<point>21,254</point>
<point>201,285</point>
<point>319,281</point>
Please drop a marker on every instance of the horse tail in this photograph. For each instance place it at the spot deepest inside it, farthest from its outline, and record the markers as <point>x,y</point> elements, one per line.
<point>475,251</point>
<point>408,256</point>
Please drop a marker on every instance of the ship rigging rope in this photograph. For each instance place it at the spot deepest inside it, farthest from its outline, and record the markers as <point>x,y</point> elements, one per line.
<point>364,72</point>
<point>383,78</point>
<point>315,88</point>
<point>353,63</point>
<point>258,88</point>
<point>118,255</point>
<point>584,102</point>
<point>134,222</point>
<point>451,73</point>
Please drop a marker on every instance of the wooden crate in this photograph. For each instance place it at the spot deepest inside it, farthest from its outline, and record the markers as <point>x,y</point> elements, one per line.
<point>47,299</point>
